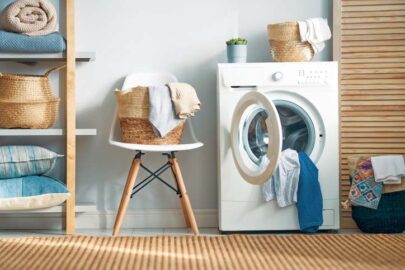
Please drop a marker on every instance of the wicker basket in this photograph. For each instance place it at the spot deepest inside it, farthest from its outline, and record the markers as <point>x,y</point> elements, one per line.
<point>26,101</point>
<point>133,112</point>
<point>31,114</point>
<point>285,43</point>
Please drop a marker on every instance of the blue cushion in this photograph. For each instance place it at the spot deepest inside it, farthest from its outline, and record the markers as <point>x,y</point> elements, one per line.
<point>13,42</point>
<point>31,192</point>
<point>19,161</point>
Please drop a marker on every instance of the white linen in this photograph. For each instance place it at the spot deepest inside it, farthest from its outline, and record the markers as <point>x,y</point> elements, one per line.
<point>283,185</point>
<point>388,169</point>
<point>316,31</point>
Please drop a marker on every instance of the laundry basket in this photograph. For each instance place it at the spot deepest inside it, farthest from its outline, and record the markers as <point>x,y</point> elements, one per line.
<point>133,113</point>
<point>26,101</point>
<point>285,43</point>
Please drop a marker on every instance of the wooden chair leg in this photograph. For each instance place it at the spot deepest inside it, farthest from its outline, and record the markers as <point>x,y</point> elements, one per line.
<point>182,202</point>
<point>184,197</point>
<point>126,195</point>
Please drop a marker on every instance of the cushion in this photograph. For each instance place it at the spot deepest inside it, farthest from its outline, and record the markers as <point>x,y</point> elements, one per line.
<point>25,160</point>
<point>31,192</point>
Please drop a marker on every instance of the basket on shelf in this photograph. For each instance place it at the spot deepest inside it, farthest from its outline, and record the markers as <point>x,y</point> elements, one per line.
<point>26,101</point>
<point>133,113</point>
<point>285,43</point>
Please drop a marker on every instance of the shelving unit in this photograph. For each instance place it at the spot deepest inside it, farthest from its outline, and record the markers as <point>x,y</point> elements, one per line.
<point>80,208</point>
<point>46,132</point>
<point>46,57</point>
<point>70,131</point>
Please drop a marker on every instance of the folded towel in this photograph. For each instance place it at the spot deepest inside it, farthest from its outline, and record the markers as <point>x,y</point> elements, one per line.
<point>315,31</point>
<point>310,202</point>
<point>30,17</point>
<point>388,169</point>
<point>185,99</point>
<point>283,185</point>
<point>12,42</point>
<point>161,112</point>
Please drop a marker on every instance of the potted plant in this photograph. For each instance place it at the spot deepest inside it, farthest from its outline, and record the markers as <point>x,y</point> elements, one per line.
<point>236,50</point>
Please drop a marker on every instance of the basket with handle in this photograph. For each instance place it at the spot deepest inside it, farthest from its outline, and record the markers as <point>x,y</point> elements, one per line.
<point>26,101</point>
<point>285,43</point>
<point>133,113</point>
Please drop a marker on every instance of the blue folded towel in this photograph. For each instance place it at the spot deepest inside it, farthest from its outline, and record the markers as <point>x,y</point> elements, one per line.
<point>309,196</point>
<point>19,43</point>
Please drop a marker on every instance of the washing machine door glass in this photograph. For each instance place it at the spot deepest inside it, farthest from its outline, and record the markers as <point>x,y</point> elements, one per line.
<point>256,137</point>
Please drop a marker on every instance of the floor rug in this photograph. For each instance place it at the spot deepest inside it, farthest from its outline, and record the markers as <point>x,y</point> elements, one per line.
<point>323,251</point>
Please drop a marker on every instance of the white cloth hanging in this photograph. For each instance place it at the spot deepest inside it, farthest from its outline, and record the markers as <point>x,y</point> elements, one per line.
<point>283,185</point>
<point>316,31</point>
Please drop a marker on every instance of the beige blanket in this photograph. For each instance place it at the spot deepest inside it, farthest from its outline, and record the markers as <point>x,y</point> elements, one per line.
<point>30,17</point>
<point>185,99</point>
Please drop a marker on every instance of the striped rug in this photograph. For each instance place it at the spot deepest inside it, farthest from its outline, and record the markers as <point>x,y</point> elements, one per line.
<point>219,252</point>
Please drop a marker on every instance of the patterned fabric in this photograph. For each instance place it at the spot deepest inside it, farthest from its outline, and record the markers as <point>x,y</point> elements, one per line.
<point>31,192</point>
<point>18,161</point>
<point>364,190</point>
<point>12,42</point>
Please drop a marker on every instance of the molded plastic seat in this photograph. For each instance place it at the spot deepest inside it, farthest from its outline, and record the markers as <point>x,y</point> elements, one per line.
<point>188,142</point>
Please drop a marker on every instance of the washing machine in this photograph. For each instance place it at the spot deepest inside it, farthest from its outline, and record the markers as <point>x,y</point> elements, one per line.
<point>264,108</point>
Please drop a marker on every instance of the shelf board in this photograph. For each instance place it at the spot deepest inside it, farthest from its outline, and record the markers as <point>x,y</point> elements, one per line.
<point>45,132</point>
<point>80,208</point>
<point>45,57</point>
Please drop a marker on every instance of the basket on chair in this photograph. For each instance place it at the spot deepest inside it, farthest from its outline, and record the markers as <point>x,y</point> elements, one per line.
<point>133,113</point>
<point>26,101</point>
<point>285,43</point>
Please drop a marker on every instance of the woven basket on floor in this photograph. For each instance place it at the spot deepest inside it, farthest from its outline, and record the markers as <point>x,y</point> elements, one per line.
<point>133,112</point>
<point>285,43</point>
<point>26,101</point>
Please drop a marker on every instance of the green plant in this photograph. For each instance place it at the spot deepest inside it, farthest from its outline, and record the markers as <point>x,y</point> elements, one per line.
<point>237,41</point>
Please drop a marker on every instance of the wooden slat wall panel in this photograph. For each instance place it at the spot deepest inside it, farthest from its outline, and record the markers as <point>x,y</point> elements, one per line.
<point>369,43</point>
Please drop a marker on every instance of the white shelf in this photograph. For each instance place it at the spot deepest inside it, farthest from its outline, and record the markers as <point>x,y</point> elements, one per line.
<point>80,208</point>
<point>45,57</point>
<point>45,132</point>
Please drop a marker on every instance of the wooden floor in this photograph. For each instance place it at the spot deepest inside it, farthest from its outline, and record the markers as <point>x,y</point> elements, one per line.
<point>135,232</point>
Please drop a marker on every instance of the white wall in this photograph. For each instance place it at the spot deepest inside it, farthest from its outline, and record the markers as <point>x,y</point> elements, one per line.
<point>181,36</point>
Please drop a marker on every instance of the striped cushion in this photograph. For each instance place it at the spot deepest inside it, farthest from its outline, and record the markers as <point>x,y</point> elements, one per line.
<point>31,192</point>
<point>25,160</point>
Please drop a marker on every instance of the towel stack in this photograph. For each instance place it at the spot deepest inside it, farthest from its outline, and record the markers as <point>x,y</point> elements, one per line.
<point>30,26</point>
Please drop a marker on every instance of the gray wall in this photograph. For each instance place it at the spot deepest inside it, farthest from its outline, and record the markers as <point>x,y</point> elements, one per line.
<point>181,36</point>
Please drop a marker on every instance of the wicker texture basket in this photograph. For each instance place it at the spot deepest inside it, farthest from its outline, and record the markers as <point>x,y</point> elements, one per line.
<point>285,43</point>
<point>133,113</point>
<point>26,101</point>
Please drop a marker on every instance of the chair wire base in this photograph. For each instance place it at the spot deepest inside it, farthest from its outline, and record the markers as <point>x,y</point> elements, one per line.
<point>156,174</point>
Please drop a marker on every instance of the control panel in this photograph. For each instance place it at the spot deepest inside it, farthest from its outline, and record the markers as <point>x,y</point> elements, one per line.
<point>312,77</point>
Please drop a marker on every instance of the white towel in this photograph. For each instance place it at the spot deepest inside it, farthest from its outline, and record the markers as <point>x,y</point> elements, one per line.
<point>283,185</point>
<point>388,169</point>
<point>161,112</point>
<point>316,31</point>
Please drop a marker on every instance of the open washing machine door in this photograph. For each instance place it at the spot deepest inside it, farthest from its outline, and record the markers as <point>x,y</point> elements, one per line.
<point>256,137</point>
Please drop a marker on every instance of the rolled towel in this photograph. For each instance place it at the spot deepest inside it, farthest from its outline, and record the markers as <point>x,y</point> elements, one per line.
<point>185,99</point>
<point>30,17</point>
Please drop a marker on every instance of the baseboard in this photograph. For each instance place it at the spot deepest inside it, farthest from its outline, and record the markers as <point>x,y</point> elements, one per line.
<point>104,219</point>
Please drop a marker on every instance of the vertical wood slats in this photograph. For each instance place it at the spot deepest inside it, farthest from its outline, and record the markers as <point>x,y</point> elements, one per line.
<point>369,43</point>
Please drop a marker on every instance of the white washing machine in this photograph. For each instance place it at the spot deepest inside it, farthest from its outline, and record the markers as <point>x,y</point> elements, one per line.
<point>263,109</point>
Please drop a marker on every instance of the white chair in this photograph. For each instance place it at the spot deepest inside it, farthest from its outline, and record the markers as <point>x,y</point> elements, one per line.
<point>188,142</point>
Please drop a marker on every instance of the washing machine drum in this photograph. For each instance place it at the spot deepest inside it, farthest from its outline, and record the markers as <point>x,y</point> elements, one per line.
<point>261,129</point>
